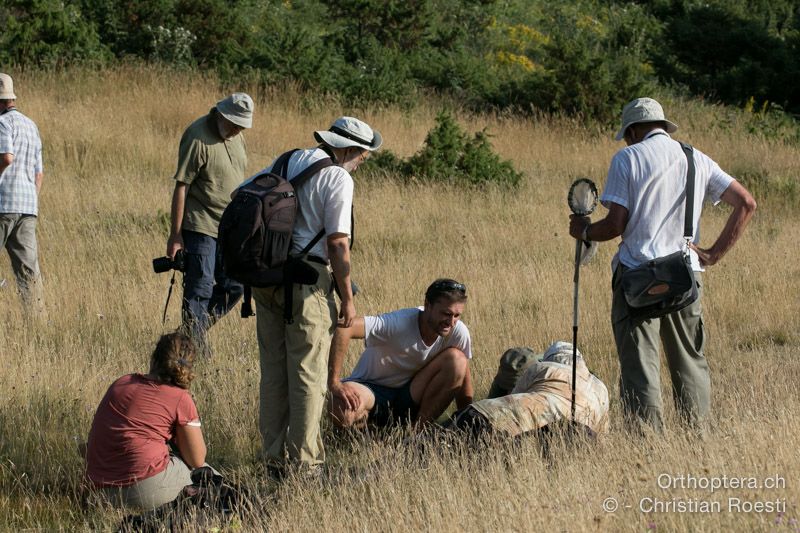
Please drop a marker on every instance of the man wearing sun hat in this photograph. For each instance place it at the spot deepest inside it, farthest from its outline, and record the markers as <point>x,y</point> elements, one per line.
<point>21,175</point>
<point>294,353</point>
<point>211,163</point>
<point>645,197</point>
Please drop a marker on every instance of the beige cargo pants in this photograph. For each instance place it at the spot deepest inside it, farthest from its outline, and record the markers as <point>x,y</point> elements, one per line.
<point>683,336</point>
<point>294,369</point>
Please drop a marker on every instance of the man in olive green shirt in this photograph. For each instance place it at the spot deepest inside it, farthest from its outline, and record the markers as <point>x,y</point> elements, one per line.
<point>211,163</point>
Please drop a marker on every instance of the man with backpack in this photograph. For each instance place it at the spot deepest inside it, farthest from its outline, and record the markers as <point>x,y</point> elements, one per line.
<point>295,328</point>
<point>211,162</point>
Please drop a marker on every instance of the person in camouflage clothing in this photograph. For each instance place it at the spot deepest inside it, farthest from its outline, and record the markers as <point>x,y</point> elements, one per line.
<point>529,394</point>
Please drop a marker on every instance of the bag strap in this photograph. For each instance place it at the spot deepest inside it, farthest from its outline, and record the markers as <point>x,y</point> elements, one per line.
<point>297,182</point>
<point>310,170</point>
<point>688,223</point>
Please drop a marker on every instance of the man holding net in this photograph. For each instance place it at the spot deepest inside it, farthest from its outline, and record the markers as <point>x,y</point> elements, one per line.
<point>646,197</point>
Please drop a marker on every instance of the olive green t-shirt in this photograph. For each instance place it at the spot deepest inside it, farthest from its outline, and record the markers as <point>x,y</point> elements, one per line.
<point>213,168</point>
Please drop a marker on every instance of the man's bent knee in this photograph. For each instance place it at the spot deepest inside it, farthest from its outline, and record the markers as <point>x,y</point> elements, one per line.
<point>345,418</point>
<point>454,360</point>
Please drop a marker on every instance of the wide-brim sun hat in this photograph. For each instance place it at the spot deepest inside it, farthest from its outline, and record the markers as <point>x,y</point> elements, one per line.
<point>6,87</point>
<point>237,108</point>
<point>346,132</point>
<point>643,110</point>
<point>558,351</point>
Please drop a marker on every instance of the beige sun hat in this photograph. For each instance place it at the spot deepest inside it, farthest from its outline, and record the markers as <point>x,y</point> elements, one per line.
<point>348,131</point>
<point>643,110</point>
<point>6,87</point>
<point>560,352</point>
<point>238,108</point>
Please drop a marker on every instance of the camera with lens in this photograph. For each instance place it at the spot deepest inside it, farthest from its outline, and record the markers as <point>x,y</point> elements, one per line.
<point>165,264</point>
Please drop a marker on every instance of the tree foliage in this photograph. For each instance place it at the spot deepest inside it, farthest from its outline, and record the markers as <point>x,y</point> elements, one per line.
<point>583,57</point>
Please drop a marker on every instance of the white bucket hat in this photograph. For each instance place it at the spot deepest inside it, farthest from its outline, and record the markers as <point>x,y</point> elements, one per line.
<point>238,108</point>
<point>348,131</point>
<point>560,352</point>
<point>643,110</point>
<point>6,87</point>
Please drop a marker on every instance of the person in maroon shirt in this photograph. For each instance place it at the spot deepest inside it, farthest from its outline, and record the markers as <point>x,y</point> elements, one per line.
<point>128,454</point>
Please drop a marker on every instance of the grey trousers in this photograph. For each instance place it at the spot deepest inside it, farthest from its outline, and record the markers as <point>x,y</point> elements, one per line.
<point>154,491</point>
<point>683,336</point>
<point>18,237</point>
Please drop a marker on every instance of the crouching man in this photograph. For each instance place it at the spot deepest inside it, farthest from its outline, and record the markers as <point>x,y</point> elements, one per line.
<point>540,395</point>
<point>415,362</point>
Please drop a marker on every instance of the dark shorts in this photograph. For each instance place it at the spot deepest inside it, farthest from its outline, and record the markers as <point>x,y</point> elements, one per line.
<point>393,406</point>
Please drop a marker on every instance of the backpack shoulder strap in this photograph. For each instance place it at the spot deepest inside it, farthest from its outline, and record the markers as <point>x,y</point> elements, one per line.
<point>309,171</point>
<point>688,225</point>
<point>281,165</point>
<point>298,182</point>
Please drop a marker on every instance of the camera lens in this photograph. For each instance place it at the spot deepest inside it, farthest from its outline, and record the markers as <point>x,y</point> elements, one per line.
<point>162,264</point>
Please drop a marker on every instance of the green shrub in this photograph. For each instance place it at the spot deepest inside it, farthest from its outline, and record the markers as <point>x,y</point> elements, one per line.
<point>448,155</point>
<point>47,32</point>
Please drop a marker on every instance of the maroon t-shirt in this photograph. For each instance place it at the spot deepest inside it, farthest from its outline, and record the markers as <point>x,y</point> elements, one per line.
<point>134,421</point>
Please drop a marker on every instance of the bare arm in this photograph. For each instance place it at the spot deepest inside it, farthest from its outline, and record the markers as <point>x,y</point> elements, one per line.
<point>339,254</point>
<point>5,161</point>
<point>743,208</point>
<point>339,346</point>
<point>191,445</point>
<point>465,395</point>
<point>39,178</point>
<point>175,241</point>
<point>611,227</point>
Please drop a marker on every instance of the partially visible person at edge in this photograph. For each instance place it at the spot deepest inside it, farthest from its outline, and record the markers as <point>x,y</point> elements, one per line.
<point>21,175</point>
<point>532,392</point>
<point>138,421</point>
<point>211,163</point>
<point>415,363</point>
<point>293,355</point>
<point>644,195</point>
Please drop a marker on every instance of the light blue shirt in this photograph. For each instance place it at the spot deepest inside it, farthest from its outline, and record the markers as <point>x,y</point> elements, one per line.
<point>20,136</point>
<point>649,180</point>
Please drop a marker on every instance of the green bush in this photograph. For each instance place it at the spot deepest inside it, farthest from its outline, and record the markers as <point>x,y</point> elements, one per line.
<point>47,32</point>
<point>449,155</point>
<point>733,50</point>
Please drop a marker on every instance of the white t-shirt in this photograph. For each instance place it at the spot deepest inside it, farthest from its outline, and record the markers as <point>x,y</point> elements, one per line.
<point>395,350</point>
<point>324,201</point>
<point>649,180</point>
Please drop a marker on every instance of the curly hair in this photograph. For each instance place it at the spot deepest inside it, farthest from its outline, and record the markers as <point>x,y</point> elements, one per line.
<point>173,358</point>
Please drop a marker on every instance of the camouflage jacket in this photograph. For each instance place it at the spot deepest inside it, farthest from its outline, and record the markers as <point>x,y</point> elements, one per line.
<point>543,395</point>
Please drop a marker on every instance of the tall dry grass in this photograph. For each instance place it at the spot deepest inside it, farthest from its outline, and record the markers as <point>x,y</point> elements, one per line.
<point>110,145</point>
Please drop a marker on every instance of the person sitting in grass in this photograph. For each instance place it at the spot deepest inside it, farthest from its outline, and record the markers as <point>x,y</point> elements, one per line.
<point>415,363</point>
<point>531,393</point>
<point>129,454</point>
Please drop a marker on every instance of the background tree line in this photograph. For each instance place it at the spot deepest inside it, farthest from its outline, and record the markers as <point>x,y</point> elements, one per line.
<point>582,57</point>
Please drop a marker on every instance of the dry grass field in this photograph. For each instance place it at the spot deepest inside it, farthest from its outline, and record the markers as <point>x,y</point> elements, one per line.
<point>110,146</point>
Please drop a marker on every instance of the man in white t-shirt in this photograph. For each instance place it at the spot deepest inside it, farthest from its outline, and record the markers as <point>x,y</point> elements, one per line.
<point>415,362</point>
<point>645,197</point>
<point>294,352</point>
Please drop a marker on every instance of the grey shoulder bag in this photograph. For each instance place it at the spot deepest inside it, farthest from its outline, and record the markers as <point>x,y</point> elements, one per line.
<point>665,284</point>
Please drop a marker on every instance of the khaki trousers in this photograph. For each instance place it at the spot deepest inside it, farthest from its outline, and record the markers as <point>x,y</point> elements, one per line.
<point>294,369</point>
<point>683,336</point>
<point>18,237</point>
<point>154,491</point>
